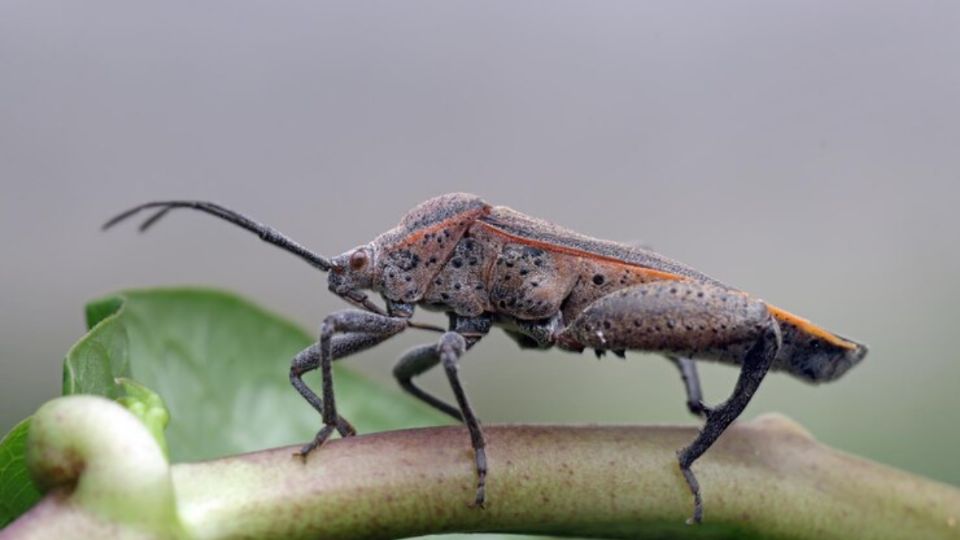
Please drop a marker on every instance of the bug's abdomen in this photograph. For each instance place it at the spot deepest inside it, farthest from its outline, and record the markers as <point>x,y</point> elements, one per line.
<point>681,317</point>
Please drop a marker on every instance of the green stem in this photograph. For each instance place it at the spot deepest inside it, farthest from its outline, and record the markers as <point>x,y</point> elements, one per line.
<point>106,458</point>
<point>764,478</point>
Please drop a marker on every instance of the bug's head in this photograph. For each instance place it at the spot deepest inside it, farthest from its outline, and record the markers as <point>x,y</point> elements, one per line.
<point>352,271</point>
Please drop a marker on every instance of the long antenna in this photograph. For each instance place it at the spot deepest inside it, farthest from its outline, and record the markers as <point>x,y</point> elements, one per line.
<point>267,234</point>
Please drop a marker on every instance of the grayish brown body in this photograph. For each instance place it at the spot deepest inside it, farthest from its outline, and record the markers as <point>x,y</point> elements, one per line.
<point>457,254</point>
<point>546,287</point>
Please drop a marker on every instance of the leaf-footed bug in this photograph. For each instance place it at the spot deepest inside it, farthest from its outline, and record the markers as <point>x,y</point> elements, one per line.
<point>545,286</point>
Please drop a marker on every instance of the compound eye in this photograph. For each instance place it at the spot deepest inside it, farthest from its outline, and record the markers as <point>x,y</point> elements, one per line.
<point>358,260</point>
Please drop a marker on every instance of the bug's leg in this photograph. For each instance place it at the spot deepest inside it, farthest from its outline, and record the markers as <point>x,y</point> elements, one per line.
<point>756,363</point>
<point>424,357</point>
<point>691,382</point>
<point>414,362</point>
<point>451,347</point>
<point>464,333</point>
<point>342,333</point>
<point>686,319</point>
<point>309,359</point>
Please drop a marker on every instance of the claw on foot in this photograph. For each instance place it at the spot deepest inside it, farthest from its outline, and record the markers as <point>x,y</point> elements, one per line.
<point>306,449</point>
<point>480,500</point>
<point>317,441</point>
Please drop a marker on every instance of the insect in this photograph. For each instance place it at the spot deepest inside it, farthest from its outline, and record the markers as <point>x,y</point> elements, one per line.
<point>545,286</point>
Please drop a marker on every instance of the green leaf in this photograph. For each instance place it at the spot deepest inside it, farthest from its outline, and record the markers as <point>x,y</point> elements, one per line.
<point>221,365</point>
<point>17,492</point>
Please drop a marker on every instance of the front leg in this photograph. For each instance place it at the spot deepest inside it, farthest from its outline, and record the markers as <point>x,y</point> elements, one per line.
<point>686,319</point>
<point>341,334</point>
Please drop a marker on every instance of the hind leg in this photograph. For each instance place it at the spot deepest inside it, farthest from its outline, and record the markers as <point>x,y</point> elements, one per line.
<point>755,366</point>
<point>689,320</point>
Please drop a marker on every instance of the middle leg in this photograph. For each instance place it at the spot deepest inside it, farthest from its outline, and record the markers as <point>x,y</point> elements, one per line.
<point>422,358</point>
<point>464,333</point>
<point>691,383</point>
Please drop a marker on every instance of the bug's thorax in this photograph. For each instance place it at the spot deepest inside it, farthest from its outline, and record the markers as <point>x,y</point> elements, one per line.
<point>410,254</point>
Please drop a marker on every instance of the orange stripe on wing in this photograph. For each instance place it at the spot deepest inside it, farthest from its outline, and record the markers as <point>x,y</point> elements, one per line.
<point>657,274</point>
<point>809,327</point>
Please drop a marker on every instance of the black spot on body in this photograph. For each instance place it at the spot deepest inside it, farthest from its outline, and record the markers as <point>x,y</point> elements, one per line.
<point>598,279</point>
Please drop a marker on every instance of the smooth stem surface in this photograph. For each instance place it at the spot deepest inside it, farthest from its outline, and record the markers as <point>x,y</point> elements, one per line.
<point>764,478</point>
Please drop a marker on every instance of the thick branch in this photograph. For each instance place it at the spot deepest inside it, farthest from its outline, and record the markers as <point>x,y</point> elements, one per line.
<point>767,477</point>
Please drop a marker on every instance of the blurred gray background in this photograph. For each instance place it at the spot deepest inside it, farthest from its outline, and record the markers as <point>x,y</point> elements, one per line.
<point>805,151</point>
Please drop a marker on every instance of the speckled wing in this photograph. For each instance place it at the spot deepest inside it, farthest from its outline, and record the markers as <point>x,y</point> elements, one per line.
<point>543,234</point>
<point>809,351</point>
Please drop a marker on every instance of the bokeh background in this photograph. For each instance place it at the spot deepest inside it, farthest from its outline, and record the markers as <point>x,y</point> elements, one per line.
<point>805,151</point>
